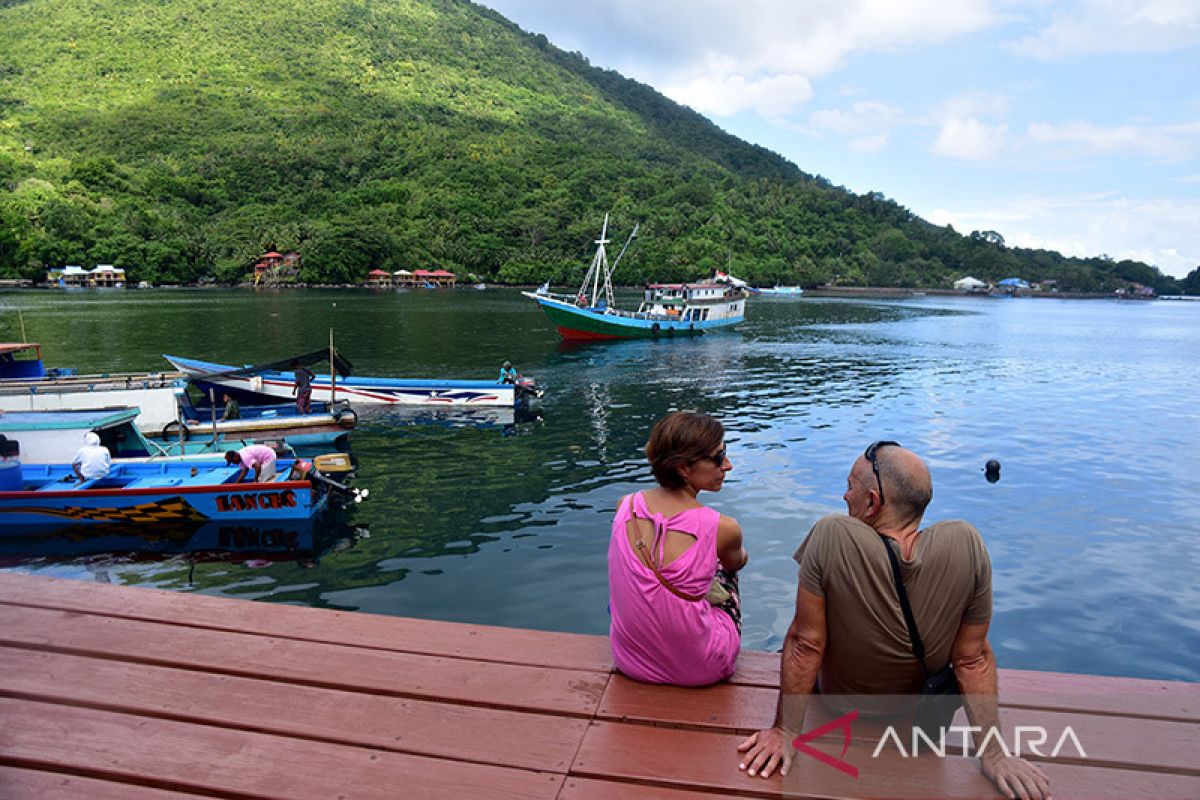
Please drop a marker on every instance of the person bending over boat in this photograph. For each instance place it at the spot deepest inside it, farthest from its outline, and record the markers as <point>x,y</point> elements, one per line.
<point>673,563</point>
<point>92,460</point>
<point>257,457</point>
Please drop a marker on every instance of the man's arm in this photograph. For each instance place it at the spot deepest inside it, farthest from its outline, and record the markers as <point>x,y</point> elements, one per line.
<point>975,668</point>
<point>798,669</point>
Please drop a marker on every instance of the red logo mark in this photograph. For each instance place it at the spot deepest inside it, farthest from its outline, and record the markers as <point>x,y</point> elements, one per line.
<point>842,722</point>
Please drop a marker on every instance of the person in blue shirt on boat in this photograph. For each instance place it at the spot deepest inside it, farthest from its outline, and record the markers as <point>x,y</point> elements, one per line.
<point>303,387</point>
<point>92,460</point>
<point>508,374</point>
<point>257,457</point>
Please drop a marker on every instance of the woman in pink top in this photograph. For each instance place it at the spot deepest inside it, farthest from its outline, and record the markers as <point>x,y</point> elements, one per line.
<point>672,563</point>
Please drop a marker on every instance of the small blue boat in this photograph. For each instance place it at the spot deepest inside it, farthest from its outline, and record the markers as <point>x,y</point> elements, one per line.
<point>779,291</point>
<point>276,381</point>
<point>149,493</point>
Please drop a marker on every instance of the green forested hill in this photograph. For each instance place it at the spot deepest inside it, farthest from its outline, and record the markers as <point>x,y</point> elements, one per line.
<point>181,138</point>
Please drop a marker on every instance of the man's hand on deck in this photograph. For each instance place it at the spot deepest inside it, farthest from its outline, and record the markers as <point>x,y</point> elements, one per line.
<point>766,750</point>
<point>1016,778</point>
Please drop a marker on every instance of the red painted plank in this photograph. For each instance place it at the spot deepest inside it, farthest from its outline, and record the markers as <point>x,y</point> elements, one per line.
<point>724,707</point>
<point>518,687</point>
<point>701,761</point>
<point>486,643</point>
<point>30,784</point>
<point>1137,696</point>
<point>1036,689</point>
<point>176,755</point>
<point>482,735</point>
<point>591,789</point>
<point>1117,740</point>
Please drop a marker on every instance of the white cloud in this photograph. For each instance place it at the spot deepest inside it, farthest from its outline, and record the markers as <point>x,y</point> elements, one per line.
<point>968,138</point>
<point>869,144</point>
<point>1092,27</point>
<point>1085,139</point>
<point>859,119</point>
<point>722,57</point>
<point>1161,232</point>
<point>772,96</point>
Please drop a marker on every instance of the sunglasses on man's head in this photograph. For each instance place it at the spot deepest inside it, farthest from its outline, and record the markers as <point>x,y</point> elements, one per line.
<point>870,455</point>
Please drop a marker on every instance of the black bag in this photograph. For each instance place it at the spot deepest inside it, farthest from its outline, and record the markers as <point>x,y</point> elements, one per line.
<point>940,697</point>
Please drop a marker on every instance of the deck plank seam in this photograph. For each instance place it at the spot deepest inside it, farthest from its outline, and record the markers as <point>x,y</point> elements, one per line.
<point>283,734</point>
<point>462,656</point>
<point>1101,712</point>
<point>715,791</point>
<point>126,779</point>
<point>666,783</point>
<point>316,684</point>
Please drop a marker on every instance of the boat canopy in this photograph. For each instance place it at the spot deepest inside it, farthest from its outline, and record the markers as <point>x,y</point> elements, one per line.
<point>94,419</point>
<point>340,364</point>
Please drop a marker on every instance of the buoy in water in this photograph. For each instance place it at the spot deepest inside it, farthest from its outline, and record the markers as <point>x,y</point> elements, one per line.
<point>991,470</point>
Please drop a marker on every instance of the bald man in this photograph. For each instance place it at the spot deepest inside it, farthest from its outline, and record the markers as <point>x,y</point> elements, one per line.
<point>849,637</point>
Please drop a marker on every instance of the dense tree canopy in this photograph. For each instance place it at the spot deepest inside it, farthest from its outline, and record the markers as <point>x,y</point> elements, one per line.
<point>182,138</point>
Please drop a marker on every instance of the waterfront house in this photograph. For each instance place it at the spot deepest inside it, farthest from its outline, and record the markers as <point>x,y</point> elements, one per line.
<point>106,276</point>
<point>74,276</point>
<point>272,267</point>
<point>379,279</point>
<point>436,277</point>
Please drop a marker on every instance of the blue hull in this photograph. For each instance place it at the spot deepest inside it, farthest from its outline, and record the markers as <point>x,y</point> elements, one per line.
<point>404,391</point>
<point>148,494</point>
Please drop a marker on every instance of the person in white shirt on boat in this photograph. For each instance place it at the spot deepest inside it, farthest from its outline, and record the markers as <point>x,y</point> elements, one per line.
<point>93,459</point>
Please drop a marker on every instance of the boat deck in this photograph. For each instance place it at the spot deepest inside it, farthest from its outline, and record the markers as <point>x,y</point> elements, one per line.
<point>131,693</point>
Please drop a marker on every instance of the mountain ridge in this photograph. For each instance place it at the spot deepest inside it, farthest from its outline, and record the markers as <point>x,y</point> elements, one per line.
<point>182,138</point>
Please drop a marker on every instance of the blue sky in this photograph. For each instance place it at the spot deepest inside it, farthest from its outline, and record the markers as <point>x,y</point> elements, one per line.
<point>1071,125</point>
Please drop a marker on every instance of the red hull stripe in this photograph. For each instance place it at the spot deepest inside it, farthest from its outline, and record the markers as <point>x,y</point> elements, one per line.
<point>149,490</point>
<point>571,333</point>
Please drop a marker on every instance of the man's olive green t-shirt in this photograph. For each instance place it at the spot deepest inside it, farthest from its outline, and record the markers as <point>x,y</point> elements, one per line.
<point>868,649</point>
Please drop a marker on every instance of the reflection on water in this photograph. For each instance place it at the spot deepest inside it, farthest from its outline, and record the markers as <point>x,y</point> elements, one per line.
<point>1089,407</point>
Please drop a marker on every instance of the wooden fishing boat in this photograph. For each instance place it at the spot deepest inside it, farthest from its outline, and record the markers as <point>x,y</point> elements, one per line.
<point>275,380</point>
<point>667,309</point>
<point>26,384</point>
<point>170,492</point>
<point>52,437</point>
<point>328,424</point>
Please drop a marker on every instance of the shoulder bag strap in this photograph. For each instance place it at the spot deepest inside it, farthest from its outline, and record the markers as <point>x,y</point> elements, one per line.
<point>652,560</point>
<point>918,646</point>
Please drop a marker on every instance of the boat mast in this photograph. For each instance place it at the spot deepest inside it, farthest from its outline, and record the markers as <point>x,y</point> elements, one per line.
<point>599,264</point>
<point>609,272</point>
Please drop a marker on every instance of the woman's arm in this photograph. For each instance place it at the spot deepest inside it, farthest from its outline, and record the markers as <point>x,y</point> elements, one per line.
<point>730,551</point>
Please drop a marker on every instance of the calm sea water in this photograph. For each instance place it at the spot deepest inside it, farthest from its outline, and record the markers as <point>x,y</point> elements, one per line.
<point>1090,406</point>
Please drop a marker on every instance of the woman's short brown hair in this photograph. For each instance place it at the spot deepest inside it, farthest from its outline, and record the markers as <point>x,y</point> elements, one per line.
<point>681,438</point>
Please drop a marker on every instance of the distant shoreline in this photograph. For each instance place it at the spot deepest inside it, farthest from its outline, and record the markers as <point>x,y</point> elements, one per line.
<point>878,292</point>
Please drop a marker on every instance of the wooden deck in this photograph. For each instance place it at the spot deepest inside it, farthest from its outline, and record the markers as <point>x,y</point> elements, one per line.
<point>119,692</point>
